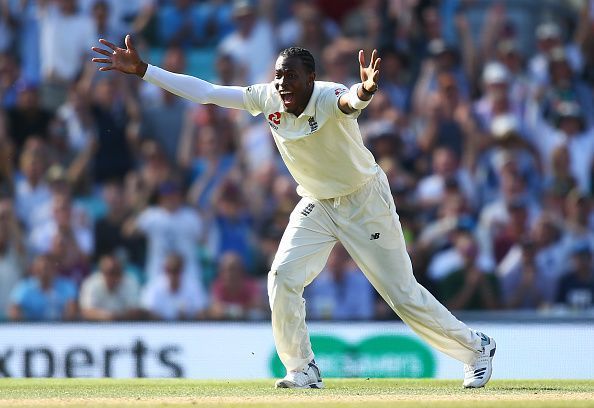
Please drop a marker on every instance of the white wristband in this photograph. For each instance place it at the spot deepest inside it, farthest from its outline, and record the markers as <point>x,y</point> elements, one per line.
<point>354,100</point>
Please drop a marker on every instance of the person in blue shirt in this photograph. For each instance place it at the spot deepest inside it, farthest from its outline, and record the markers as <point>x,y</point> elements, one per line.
<point>43,296</point>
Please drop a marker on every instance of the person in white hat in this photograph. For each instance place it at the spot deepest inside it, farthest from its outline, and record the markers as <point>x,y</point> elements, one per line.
<point>549,37</point>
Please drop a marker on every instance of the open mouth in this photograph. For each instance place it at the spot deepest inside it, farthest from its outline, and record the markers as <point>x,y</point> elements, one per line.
<point>288,98</point>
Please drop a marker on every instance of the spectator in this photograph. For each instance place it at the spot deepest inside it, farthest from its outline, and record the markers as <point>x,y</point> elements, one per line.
<point>179,23</point>
<point>28,118</point>
<point>550,254</point>
<point>170,226</point>
<point>449,122</point>
<point>31,189</point>
<point>43,296</point>
<point>496,99</point>
<point>110,294</point>
<point>76,234</point>
<point>163,120</point>
<point>106,26</point>
<point>114,114</point>
<point>63,55</point>
<point>446,171</point>
<point>576,288</point>
<point>252,43</point>
<point>169,296</point>
<point>522,284</point>
<point>549,38</point>
<point>570,130</point>
<point>12,253</point>
<point>108,234</point>
<point>234,294</point>
<point>70,261</point>
<point>566,86</point>
<point>234,223</point>
<point>469,288</point>
<point>11,80</point>
<point>340,292</point>
<point>78,124</point>
<point>209,167</point>
<point>577,220</point>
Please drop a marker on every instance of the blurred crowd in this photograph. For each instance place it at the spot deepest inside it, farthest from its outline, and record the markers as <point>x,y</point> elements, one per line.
<point>119,201</point>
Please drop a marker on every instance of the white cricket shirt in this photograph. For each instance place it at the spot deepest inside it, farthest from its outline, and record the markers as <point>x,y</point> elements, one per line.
<point>322,147</point>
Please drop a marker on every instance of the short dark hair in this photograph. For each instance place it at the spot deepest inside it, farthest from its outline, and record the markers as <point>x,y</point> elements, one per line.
<point>304,55</point>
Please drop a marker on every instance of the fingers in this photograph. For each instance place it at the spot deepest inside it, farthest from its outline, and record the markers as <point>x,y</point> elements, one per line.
<point>109,68</point>
<point>102,60</point>
<point>376,77</point>
<point>108,44</point>
<point>377,64</point>
<point>129,44</point>
<point>373,63</point>
<point>373,58</point>
<point>102,51</point>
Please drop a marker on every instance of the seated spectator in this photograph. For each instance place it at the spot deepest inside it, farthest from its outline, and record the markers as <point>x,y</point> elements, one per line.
<point>110,294</point>
<point>513,230</point>
<point>576,288</point>
<point>11,254</point>
<point>551,257</point>
<point>43,296</point>
<point>577,213</point>
<point>522,283</point>
<point>169,226</point>
<point>235,295</point>
<point>446,171</point>
<point>234,223</point>
<point>170,296</point>
<point>63,222</point>
<point>108,234</point>
<point>451,259</point>
<point>341,291</point>
<point>470,287</point>
<point>31,189</point>
<point>70,261</point>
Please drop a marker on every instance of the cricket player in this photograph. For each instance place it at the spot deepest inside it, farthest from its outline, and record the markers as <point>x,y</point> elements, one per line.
<point>345,197</point>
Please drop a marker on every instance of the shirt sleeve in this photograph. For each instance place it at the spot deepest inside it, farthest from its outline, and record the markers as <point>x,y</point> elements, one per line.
<point>329,101</point>
<point>195,89</point>
<point>254,98</point>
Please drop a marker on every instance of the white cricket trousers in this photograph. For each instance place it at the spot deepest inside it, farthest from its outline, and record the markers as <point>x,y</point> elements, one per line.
<point>366,223</point>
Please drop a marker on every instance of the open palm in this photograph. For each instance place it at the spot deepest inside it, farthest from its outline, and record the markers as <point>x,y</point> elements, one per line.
<point>369,73</point>
<point>124,60</point>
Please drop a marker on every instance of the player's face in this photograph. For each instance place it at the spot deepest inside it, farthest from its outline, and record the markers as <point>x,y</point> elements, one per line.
<point>293,83</point>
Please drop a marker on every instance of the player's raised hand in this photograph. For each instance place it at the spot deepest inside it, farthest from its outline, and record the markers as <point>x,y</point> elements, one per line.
<point>125,60</point>
<point>369,73</point>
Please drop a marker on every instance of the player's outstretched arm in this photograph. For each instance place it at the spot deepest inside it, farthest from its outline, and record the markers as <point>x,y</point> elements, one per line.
<point>360,94</point>
<point>195,89</point>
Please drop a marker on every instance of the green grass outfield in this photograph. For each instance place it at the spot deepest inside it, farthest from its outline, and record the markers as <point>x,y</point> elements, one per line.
<point>345,393</point>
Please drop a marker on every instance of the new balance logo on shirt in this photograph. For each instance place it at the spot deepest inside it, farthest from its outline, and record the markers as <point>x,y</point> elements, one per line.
<point>308,209</point>
<point>374,236</point>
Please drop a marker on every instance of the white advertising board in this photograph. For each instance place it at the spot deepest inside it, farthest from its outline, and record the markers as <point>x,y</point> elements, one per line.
<point>246,350</point>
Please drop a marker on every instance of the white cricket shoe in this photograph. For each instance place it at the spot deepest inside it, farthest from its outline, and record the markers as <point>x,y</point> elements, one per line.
<point>309,377</point>
<point>478,374</point>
